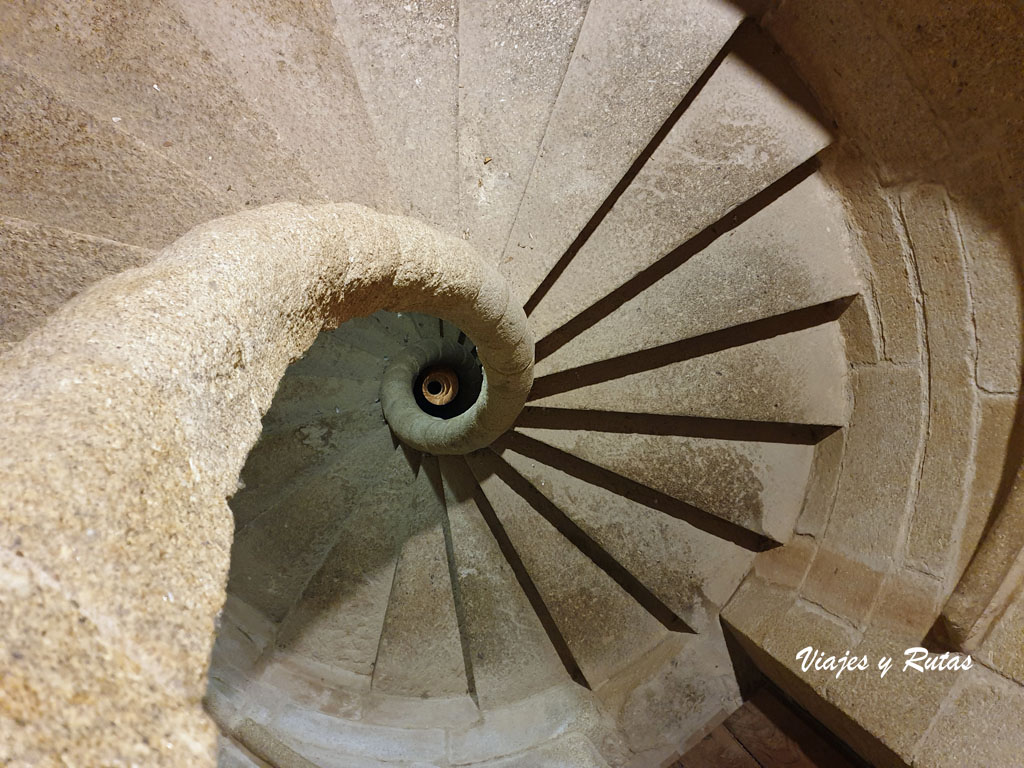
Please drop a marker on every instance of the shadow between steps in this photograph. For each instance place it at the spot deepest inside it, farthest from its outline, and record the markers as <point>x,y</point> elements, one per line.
<point>687,349</point>
<point>462,480</point>
<point>583,542</point>
<point>539,417</point>
<point>634,491</point>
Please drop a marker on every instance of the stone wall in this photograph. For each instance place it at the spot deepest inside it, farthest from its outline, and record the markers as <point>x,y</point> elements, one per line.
<point>927,103</point>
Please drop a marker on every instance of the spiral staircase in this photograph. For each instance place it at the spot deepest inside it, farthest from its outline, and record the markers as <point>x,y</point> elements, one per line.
<point>701,318</point>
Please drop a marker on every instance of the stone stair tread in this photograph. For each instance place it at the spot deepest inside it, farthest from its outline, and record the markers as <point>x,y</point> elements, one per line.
<point>797,377</point>
<point>787,256</point>
<point>512,57</point>
<point>146,67</point>
<point>405,58</point>
<point>622,92</point>
<point>426,326</point>
<point>367,334</point>
<point>109,184</point>
<point>421,652</point>
<point>511,656</point>
<point>276,554</point>
<point>300,399</point>
<point>757,485</point>
<point>603,626</point>
<point>745,129</point>
<point>340,616</point>
<point>693,572</point>
<point>331,356</point>
<point>291,67</point>
<point>44,266</point>
<point>293,451</point>
<point>398,324</point>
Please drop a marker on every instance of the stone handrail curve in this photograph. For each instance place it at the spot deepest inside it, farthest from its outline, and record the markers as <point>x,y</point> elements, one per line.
<point>128,418</point>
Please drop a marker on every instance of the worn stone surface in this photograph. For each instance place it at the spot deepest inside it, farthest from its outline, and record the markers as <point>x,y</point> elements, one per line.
<point>145,67</point>
<point>512,57</point>
<point>889,272</point>
<point>691,571</point>
<point>822,484</point>
<point>339,619</point>
<point>68,168</point>
<point>765,267</point>
<point>420,653</point>
<point>879,467</point>
<point>995,425</point>
<point>798,377</point>
<point>605,628</point>
<point>994,707</point>
<point>405,59</point>
<point>41,267</point>
<point>759,486</point>
<point>509,654</point>
<point>288,63</point>
<point>841,585</point>
<point>749,125</point>
<point>631,66</point>
<point>941,503</point>
<point>1003,649</point>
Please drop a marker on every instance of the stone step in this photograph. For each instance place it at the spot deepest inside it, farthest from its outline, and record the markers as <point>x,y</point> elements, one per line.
<point>756,485</point>
<point>692,572</point>
<point>275,555</point>
<point>44,266</point>
<point>510,655</point>
<point>793,253</point>
<point>512,57</point>
<point>399,324</point>
<point>291,67</point>
<point>614,97</point>
<point>603,626</point>
<point>427,327</point>
<point>146,67</point>
<point>798,377</point>
<point>285,454</point>
<point>751,123</point>
<point>406,60</point>
<point>332,355</point>
<point>367,334</point>
<point>74,170</point>
<point>421,650</point>
<point>340,617</point>
<point>301,400</point>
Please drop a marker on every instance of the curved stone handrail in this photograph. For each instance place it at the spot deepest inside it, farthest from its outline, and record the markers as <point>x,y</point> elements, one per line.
<point>127,420</point>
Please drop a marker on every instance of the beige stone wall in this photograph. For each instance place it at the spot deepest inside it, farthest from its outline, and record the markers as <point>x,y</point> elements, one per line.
<point>927,102</point>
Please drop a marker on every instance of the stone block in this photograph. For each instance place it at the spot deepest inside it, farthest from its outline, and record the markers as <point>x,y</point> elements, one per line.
<point>907,605</point>
<point>786,566</point>
<point>979,724</point>
<point>1003,648</point>
<point>79,171</point>
<point>940,508</point>
<point>623,92</point>
<point>512,58</point>
<point>888,714</point>
<point>42,267</point>
<point>841,585</point>
<point>994,430</point>
<point>163,87</point>
<point>880,464</point>
<point>292,67</point>
<point>535,719</point>
<point>821,486</point>
<point>878,230</point>
<point>404,60</point>
<point>763,124</point>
